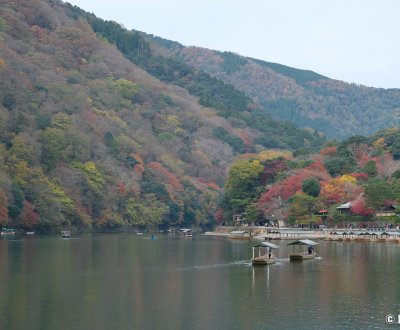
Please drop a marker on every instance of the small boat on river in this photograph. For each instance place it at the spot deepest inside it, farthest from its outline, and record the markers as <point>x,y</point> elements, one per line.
<point>239,234</point>
<point>262,254</point>
<point>65,234</point>
<point>305,250</point>
<point>187,232</point>
<point>7,231</point>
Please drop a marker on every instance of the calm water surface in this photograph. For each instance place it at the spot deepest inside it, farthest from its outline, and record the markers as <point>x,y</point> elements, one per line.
<point>124,281</point>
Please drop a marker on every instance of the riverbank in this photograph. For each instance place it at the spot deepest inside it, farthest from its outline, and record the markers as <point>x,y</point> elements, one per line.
<point>331,234</point>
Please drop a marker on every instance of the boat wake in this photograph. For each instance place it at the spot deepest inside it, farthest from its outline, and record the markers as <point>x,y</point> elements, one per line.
<point>228,264</point>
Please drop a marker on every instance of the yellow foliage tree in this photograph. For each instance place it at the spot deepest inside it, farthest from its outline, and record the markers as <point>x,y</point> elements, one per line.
<point>347,178</point>
<point>274,153</point>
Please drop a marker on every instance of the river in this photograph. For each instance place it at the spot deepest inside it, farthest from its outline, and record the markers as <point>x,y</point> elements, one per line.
<point>125,281</point>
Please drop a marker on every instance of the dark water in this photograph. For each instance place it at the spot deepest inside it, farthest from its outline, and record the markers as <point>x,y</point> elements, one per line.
<point>124,281</point>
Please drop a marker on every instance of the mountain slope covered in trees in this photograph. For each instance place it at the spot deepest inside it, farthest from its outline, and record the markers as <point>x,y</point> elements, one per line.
<point>362,172</point>
<point>99,130</point>
<point>303,97</point>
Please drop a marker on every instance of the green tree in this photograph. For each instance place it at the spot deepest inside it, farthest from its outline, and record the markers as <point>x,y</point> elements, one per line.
<point>377,191</point>
<point>252,213</point>
<point>339,165</point>
<point>16,204</point>
<point>3,208</point>
<point>147,213</point>
<point>127,88</point>
<point>370,168</point>
<point>311,187</point>
<point>302,207</point>
<point>241,185</point>
<point>62,121</point>
<point>53,146</point>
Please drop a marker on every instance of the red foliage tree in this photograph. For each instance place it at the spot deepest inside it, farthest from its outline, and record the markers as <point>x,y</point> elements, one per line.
<point>121,189</point>
<point>138,169</point>
<point>272,169</point>
<point>29,217</point>
<point>361,177</point>
<point>219,216</point>
<point>359,207</point>
<point>208,184</point>
<point>165,176</point>
<point>328,151</point>
<point>291,185</point>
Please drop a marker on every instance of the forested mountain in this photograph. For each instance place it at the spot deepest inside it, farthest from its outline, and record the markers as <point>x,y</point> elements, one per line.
<point>99,129</point>
<point>303,97</point>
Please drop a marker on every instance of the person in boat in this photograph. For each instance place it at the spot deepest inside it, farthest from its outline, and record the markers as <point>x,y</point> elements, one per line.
<point>269,253</point>
<point>310,248</point>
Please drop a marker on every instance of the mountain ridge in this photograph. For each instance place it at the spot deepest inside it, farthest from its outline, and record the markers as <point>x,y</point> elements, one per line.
<point>300,96</point>
<point>110,135</point>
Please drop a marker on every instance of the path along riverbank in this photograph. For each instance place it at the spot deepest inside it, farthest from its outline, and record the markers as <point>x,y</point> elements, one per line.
<point>328,234</point>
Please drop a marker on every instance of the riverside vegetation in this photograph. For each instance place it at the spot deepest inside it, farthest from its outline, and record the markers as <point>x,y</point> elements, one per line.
<point>101,127</point>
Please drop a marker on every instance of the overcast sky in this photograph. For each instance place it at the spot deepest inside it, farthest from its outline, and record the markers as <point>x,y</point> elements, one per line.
<point>352,40</point>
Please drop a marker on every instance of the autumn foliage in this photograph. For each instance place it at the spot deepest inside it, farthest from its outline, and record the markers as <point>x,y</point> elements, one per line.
<point>293,184</point>
<point>359,207</point>
<point>165,176</point>
<point>3,208</point>
<point>29,217</point>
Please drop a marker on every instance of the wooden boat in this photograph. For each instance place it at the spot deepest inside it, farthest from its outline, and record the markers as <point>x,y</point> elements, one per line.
<point>187,232</point>
<point>306,250</point>
<point>239,234</point>
<point>263,259</point>
<point>65,234</point>
<point>7,231</point>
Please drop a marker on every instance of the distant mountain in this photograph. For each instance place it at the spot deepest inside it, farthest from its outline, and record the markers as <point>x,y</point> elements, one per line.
<point>303,97</point>
<point>100,128</point>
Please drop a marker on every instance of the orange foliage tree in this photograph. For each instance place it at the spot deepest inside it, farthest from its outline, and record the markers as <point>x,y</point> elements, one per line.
<point>29,217</point>
<point>341,189</point>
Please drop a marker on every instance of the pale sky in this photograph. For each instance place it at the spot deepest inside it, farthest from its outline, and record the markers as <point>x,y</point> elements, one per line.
<point>351,40</point>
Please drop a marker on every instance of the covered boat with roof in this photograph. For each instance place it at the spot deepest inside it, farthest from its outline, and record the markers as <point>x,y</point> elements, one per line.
<point>262,254</point>
<point>303,249</point>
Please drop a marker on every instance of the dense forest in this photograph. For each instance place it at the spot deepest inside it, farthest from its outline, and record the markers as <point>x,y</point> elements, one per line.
<point>362,172</point>
<point>101,127</point>
<point>306,98</point>
<point>98,130</point>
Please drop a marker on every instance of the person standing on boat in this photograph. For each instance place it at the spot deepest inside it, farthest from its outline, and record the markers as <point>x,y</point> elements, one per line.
<point>269,253</point>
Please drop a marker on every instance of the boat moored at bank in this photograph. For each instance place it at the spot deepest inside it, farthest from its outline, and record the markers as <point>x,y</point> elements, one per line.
<point>7,231</point>
<point>239,234</point>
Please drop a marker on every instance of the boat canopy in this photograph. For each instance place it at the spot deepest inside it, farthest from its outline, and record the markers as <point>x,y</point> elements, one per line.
<point>366,233</point>
<point>7,230</point>
<point>303,242</point>
<point>267,244</point>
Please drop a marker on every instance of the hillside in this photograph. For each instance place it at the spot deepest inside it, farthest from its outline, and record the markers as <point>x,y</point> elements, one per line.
<point>361,172</point>
<point>97,130</point>
<point>303,97</point>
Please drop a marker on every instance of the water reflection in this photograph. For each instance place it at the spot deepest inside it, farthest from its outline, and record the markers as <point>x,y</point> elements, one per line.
<point>129,282</point>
